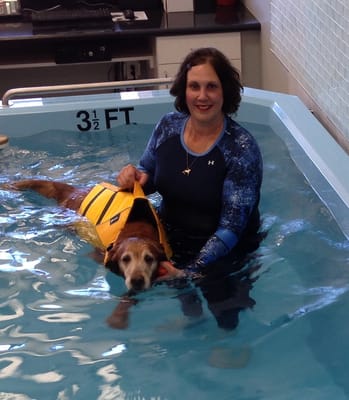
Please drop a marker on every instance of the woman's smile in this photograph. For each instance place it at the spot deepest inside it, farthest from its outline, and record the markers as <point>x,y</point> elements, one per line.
<point>203,107</point>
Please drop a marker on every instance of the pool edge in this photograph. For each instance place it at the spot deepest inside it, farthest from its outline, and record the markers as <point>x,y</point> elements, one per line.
<point>319,157</point>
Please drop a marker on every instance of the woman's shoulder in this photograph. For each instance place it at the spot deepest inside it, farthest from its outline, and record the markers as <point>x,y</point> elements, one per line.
<point>173,117</point>
<point>169,126</point>
<point>237,132</point>
<point>234,127</point>
<point>171,123</point>
<point>238,143</point>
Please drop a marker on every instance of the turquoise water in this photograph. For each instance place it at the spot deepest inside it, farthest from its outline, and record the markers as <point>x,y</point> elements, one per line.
<point>55,299</point>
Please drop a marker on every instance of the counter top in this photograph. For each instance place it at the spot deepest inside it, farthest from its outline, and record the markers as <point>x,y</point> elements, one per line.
<point>225,19</point>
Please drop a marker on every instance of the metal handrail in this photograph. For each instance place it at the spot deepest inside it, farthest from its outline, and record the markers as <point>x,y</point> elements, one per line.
<point>71,89</point>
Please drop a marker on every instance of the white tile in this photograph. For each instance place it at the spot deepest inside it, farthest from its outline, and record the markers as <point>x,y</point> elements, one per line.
<point>311,39</point>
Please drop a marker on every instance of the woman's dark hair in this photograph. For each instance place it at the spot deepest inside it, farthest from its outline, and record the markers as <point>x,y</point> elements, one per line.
<point>227,74</point>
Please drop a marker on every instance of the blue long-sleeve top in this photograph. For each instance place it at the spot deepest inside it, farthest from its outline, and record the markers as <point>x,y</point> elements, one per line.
<point>221,192</point>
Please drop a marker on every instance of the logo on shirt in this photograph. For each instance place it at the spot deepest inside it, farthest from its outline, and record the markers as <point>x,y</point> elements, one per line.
<point>210,162</point>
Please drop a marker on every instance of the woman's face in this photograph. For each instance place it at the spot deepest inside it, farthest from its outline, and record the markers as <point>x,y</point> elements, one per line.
<point>204,94</point>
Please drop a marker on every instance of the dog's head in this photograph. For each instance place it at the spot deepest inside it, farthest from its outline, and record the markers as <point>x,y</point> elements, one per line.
<point>137,260</point>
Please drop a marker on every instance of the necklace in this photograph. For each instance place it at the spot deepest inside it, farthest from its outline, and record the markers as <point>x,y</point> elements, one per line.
<point>186,171</point>
<point>190,130</point>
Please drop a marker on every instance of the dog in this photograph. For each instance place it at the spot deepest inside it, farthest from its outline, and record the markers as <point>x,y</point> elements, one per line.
<point>132,242</point>
<point>125,228</point>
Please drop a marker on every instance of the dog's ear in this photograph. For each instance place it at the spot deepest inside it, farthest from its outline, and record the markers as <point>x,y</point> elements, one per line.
<point>113,266</point>
<point>159,251</point>
<point>110,261</point>
<point>161,256</point>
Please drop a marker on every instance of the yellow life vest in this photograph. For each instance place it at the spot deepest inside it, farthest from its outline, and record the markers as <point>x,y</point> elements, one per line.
<point>108,208</point>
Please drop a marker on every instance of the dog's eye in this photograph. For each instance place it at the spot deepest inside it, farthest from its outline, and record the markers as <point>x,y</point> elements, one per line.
<point>148,259</point>
<point>126,259</point>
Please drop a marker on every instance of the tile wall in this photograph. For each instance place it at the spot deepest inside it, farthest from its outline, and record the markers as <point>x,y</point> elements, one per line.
<point>311,39</point>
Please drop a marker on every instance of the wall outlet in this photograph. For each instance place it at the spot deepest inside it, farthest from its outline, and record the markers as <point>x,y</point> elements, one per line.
<point>132,70</point>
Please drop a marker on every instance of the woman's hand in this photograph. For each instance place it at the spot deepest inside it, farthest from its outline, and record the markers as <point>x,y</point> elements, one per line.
<point>128,175</point>
<point>168,271</point>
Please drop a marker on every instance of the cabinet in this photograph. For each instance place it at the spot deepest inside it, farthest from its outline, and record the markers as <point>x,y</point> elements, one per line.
<point>171,50</point>
<point>61,61</point>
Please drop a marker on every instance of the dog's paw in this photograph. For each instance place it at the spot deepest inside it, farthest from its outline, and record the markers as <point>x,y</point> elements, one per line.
<point>118,321</point>
<point>8,186</point>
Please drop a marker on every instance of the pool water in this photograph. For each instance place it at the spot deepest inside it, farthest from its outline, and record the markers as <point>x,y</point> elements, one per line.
<point>55,299</point>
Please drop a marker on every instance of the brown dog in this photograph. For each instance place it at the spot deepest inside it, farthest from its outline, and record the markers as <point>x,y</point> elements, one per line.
<point>137,251</point>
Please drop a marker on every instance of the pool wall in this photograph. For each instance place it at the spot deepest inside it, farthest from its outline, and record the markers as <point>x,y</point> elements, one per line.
<point>319,157</point>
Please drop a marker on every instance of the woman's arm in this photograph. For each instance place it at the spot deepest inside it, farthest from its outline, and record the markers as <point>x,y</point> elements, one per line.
<point>144,172</point>
<point>240,196</point>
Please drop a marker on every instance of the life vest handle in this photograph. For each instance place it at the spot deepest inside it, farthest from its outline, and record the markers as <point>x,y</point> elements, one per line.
<point>137,189</point>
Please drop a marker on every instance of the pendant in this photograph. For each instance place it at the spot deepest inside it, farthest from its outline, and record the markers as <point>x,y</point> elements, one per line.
<point>186,171</point>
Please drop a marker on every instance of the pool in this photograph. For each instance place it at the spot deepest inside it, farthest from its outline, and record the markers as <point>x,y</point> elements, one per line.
<point>291,337</point>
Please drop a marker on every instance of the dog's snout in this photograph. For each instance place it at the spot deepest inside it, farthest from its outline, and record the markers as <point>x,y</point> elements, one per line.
<point>138,283</point>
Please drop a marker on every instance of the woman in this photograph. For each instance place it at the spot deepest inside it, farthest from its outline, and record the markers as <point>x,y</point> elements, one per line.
<point>207,168</point>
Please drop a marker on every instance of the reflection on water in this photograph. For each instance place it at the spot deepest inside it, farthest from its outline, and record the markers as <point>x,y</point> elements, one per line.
<point>241,334</point>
